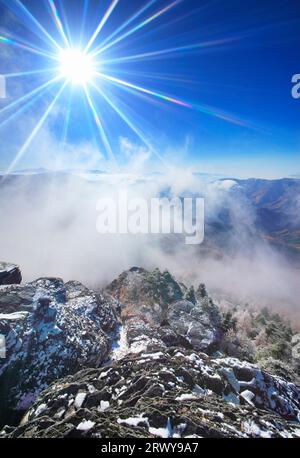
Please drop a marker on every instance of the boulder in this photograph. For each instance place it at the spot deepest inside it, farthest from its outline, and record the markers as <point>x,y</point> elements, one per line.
<point>10,274</point>
<point>51,329</point>
<point>154,306</point>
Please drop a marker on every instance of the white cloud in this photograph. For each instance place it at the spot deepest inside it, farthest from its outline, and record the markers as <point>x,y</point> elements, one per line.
<point>48,226</point>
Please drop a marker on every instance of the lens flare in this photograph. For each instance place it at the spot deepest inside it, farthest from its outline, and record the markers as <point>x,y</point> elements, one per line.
<point>76,66</point>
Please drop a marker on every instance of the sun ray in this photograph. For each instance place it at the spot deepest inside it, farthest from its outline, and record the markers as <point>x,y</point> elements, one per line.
<point>21,110</point>
<point>212,111</point>
<point>126,23</point>
<point>100,127</point>
<point>20,8</point>
<point>120,82</point>
<point>29,95</point>
<point>101,24</point>
<point>155,76</point>
<point>30,72</point>
<point>78,66</point>
<point>178,49</point>
<point>58,22</point>
<point>33,133</point>
<point>67,118</point>
<point>65,22</point>
<point>138,27</point>
<point>86,5</point>
<point>217,113</point>
<point>25,47</point>
<point>126,119</point>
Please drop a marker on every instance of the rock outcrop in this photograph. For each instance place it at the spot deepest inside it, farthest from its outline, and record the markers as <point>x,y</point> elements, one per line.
<point>10,274</point>
<point>169,393</point>
<point>163,373</point>
<point>51,329</point>
<point>158,310</point>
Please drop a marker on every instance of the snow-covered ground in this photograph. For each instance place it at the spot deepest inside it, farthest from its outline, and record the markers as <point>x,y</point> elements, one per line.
<point>120,346</point>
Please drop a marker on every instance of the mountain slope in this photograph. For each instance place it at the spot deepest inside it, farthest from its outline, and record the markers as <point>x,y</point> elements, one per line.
<point>165,369</point>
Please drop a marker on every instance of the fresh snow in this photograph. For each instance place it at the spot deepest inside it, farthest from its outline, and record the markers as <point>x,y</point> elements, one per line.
<point>139,344</point>
<point>40,409</point>
<point>252,428</point>
<point>80,397</point>
<point>165,433</point>
<point>248,396</point>
<point>120,346</point>
<point>156,355</point>
<point>132,421</point>
<point>13,316</point>
<point>229,374</point>
<point>85,425</point>
<point>104,405</point>
<point>104,374</point>
<point>185,397</point>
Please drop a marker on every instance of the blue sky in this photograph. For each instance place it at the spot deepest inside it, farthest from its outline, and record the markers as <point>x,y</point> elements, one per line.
<point>240,118</point>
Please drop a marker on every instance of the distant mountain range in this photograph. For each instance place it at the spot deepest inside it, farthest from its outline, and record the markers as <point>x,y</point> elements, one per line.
<point>277,205</point>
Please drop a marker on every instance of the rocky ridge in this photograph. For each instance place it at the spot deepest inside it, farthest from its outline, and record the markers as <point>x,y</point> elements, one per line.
<point>167,393</point>
<point>51,329</point>
<point>164,371</point>
<point>157,310</point>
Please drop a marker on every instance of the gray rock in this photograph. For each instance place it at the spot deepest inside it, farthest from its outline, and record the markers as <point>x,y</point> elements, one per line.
<point>155,304</point>
<point>51,330</point>
<point>198,322</point>
<point>10,274</point>
<point>165,376</point>
<point>171,393</point>
<point>296,351</point>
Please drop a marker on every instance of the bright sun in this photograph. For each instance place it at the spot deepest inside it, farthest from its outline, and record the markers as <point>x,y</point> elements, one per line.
<point>76,66</point>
